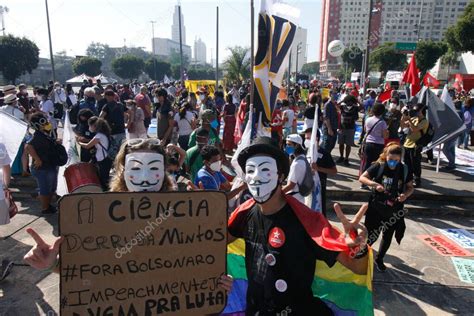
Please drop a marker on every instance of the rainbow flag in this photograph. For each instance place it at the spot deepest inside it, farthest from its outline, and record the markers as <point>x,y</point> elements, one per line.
<point>346,293</point>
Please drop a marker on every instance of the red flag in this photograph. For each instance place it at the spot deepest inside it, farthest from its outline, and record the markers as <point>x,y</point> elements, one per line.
<point>385,96</point>
<point>430,81</point>
<point>411,77</point>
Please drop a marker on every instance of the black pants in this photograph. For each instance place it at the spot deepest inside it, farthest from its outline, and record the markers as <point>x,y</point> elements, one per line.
<point>147,122</point>
<point>377,224</point>
<point>372,153</point>
<point>183,141</point>
<point>413,161</point>
<point>103,167</point>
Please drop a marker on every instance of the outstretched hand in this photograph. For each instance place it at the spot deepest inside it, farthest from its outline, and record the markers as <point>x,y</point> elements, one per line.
<point>354,232</point>
<point>42,256</point>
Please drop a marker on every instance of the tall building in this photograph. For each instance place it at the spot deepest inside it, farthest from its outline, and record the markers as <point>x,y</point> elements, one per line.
<point>175,27</point>
<point>301,40</point>
<point>392,21</point>
<point>200,52</point>
<point>164,47</point>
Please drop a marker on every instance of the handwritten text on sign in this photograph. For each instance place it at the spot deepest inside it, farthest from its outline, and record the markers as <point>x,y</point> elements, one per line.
<point>143,253</point>
<point>460,236</point>
<point>465,269</point>
<point>444,246</point>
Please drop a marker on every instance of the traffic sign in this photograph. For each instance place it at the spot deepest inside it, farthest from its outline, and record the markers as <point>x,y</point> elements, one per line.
<point>405,47</point>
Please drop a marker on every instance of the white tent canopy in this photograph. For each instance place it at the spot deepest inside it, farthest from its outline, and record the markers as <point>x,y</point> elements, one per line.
<point>78,79</point>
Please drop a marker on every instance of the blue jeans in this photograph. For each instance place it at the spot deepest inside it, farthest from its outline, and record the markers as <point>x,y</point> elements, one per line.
<point>47,180</point>
<point>329,142</point>
<point>464,137</point>
<point>449,150</point>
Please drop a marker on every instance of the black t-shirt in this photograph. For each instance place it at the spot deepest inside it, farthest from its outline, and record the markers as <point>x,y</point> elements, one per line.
<point>349,115</point>
<point>283,236</point>
<point>393,121</point>
<point>325,161</point>
<point>100,104</point>
<point>44,147</point>
<point>115,117</point>
<point>388,177</point>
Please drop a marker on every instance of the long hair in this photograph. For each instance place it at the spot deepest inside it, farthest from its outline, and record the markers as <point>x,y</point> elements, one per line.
<point>101,125</point>
<point>117,184</point>
<point>391,149</point>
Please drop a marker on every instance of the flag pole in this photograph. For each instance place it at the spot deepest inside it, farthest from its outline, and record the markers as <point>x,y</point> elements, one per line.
<point>217,48</point>
<point>252,58</point>
<point>439,157</point>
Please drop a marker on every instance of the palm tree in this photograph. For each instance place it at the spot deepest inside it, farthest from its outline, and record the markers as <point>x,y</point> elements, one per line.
<point>237,65</point>
<point>450,58</point>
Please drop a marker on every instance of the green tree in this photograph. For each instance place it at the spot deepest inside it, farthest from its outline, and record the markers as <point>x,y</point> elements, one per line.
<point>450,58</point>
<point>310,68</point>
<point>353,57</point>
<point>87,65</point>
<point>102,52</point>
<point>427,53</point>
<point>17,57</point>
<point>385,58</point>
<point>162,68</point>
<point>237,65</point>
<point>202,72</point>
<point>128,66</point>
<point>460,36</point>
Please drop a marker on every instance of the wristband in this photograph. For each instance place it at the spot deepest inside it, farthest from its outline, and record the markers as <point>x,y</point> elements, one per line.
<point>362,253</point>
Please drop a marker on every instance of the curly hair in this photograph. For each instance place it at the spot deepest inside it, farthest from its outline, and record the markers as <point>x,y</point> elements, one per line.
<point>117,184</point>
<point>392,148</point>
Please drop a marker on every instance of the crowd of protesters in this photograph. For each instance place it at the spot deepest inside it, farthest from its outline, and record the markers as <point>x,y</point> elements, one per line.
<point>200,130</point>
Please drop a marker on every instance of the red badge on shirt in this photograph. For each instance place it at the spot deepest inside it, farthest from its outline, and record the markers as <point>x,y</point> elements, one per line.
<point>276,237</point>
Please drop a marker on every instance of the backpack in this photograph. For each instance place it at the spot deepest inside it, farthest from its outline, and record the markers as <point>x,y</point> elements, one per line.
<point>427,137</point>
<point>307,185</point>
<point>59,156</point>
<point>58,111</point>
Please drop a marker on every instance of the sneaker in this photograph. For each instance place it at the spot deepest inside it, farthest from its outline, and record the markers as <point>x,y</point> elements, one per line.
<point>433,162</point>
<point>417,183</point>
<point>364,187</point>
<point>449,168</point>
<point>50,210</point>
<point>346,162</point>
<point>380,265</point>
<point>340,160</point>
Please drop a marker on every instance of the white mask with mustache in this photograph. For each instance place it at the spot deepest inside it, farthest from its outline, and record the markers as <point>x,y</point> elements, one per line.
<point>144,171</point>
<point>261,175</point>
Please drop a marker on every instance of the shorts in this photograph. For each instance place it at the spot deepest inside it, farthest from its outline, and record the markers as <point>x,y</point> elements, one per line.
<point>346,137</point>
<point>47,180</point>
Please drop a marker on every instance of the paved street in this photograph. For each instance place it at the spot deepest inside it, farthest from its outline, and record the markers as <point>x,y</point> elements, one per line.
<point>418,280</point>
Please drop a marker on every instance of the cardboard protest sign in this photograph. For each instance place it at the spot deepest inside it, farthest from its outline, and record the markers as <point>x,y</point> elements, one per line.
<point>444,246</point>
<point>461,236</point>
<point>143,253</point>
<point>465,269</point>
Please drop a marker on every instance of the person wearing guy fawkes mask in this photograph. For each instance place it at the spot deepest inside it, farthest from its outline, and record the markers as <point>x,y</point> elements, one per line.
<point>392,185</point>
<point>283,238</point>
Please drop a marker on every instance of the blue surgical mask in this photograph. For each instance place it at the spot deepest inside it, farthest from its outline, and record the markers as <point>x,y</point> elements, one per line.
<point>214,124</point>
<point>290,150</point>
<point>392,163</point>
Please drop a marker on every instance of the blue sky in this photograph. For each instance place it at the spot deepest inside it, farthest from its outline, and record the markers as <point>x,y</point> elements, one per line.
<point>76,23</point>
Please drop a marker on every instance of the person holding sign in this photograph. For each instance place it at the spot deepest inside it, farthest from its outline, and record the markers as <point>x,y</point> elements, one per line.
<point>283,238</point>
<point>140,166</point>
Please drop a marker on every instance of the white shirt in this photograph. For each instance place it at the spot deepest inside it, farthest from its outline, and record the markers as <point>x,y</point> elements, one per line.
<point>59,96</point>
<point>184,125</point>
<point>73,98</point>
<point>101,147</point>
<point>290,114</point>
<point>297,173</point>
<point>48,108</point>
<point>4,160</point>
<point>14,111</point>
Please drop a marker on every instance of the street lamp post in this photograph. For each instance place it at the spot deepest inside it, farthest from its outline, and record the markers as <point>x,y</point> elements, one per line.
<point>298,51</point>
<point>3,10</point>
<point>367,49</point>
<point>50,43</point>
<point>153,48</point>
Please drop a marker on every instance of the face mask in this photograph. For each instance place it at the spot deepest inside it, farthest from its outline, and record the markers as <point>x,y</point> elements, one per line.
<point>290,150</point>
<point>261,175</point>
<point>90,99</point>
<point>47,127</point>
<point>214,124</point>
<point>307,143</point>
<point>39,98</point>
<point>392,163</point>
<point>216,166</point>
<point>23,91</point>
<point>202,97</point>
<point>392,106</point>
<point>155,100</point>
<point>144,171</point>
